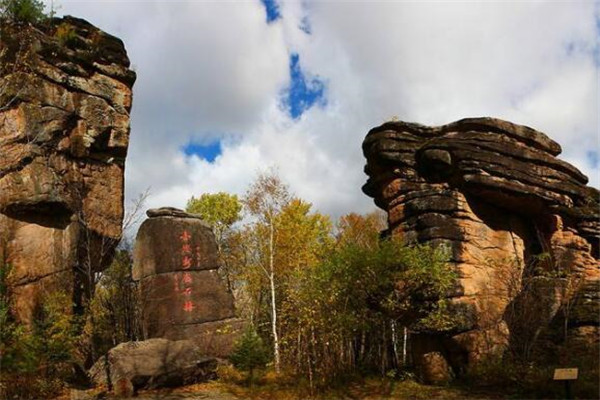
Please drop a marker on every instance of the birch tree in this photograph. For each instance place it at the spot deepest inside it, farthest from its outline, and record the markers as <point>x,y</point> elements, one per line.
<point>265,200</point>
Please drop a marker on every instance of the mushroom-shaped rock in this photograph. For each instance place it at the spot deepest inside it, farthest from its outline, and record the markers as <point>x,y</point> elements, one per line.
<point>519,222</point>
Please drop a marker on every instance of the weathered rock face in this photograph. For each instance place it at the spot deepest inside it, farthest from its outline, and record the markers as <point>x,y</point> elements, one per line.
<point>175,260</point>
<point>522,226</point>
<point>64,132</point>
<point>151,364</point>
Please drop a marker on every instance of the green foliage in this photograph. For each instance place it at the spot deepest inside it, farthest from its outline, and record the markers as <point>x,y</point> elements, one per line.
<point>339,315</point>
<point>445,316</point>
<point>23,11</point>
<point>250,352</point>
<point>114,313</point>
<point>35,360</point>
<point>221,210</point>
<point>57,329</point>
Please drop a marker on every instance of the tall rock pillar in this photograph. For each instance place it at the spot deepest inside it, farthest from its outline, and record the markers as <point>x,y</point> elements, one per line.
<point>64,132</point>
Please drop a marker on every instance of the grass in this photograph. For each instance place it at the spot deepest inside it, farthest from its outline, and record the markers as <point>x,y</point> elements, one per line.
<point>368,389</point>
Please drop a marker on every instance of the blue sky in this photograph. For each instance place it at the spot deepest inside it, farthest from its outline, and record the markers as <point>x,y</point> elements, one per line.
<point>227,89</point>
<point>303,92</point>
<point>272,9</point>
<point>208,152</point>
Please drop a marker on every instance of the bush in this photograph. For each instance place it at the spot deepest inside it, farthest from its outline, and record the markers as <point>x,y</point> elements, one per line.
<point>250,353</point>
<point>35,360</point>
<point>29,11</point>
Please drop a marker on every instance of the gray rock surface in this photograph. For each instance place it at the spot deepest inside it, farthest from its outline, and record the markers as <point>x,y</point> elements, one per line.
<point>152,364</point>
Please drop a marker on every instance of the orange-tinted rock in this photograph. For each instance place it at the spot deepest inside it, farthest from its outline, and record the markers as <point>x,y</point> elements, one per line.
<point>522,226</point>
<point>64,129</point>
<point>175,260</point>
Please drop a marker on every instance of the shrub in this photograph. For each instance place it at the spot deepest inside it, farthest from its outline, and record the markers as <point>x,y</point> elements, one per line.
<point>34,360</point>
<point>29,11</point>
<point>250,353</point>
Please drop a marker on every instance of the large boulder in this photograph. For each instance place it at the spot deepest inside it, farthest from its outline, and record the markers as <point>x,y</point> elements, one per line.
<point>522,226</point>
<point>183,296</point>
<point>64,132</point>
<point>151,364</point>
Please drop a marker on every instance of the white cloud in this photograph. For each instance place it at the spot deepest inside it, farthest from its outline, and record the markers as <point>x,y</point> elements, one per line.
<point>212,68</point>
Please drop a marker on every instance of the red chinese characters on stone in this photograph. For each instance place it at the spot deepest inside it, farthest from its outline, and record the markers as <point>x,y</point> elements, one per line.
<point>185,237</point>
<point>186,263</point>
<point>188,306</point>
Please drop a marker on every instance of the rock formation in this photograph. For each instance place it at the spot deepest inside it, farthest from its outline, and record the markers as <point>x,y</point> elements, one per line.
<point>65,98</point>
<point>522,226</point>
<point>150,364</point>
<point>183,296</point>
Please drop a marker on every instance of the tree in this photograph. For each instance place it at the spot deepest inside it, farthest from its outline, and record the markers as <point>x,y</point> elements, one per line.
<point>221,210</point>
<point>249,353</point>
<point>362,230</point>
<point>265,199</point>
<point>344,309</point>
<point>99,251</point>
<point>303,237</point>
<point>28,11</point>
<point>115,305</point>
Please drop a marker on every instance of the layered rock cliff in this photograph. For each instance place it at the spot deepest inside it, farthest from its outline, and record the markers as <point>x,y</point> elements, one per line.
<point>522,226</point>
<point>65,98</point>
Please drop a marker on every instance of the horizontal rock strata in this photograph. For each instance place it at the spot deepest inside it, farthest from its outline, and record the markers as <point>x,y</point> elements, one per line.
<point>64,132</point>
<point>520,223</point>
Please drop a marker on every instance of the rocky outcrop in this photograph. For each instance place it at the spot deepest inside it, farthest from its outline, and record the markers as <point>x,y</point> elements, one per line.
<point>65,98</point>
<point>183,296</point>
<point>522,226</point>
<point>152,364</point>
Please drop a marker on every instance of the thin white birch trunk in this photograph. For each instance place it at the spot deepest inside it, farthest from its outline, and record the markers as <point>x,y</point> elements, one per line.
<point>273,302</point>
<point>404,340</point>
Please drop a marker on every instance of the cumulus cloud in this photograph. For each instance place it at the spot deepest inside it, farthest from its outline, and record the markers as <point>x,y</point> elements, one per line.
<point>220,70</point>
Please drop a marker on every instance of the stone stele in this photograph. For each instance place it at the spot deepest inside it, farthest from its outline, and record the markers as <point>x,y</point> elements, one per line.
<point>182,294</point>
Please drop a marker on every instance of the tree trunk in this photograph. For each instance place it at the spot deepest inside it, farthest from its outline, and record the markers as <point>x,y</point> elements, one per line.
<point>395,343</point>
<point>404,340</point>
<point>273,302</point>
